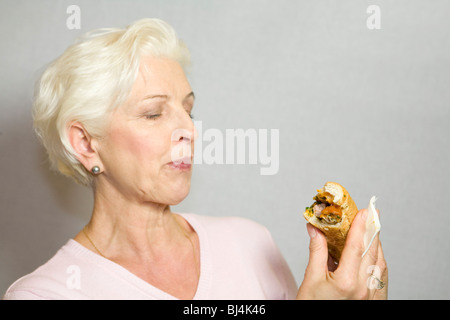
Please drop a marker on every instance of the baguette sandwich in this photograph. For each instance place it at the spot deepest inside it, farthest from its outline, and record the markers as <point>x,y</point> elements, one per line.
<point>332,212</point>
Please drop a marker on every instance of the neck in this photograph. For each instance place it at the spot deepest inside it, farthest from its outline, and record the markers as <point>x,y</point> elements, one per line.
<point>145,238</point>
<point>132,229</point>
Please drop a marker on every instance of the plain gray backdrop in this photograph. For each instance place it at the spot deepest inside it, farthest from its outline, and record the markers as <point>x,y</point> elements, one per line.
<point>366,108</point>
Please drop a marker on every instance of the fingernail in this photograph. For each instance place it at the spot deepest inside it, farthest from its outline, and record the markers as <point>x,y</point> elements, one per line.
<point>311,231</point>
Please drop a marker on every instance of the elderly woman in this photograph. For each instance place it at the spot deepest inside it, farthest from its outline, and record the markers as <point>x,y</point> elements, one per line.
<point>114,113</point>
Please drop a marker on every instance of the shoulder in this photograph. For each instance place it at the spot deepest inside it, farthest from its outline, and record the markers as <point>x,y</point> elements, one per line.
<point>48,281</point>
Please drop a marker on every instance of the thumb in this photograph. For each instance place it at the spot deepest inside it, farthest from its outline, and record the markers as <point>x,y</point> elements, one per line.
<point>318,253</point>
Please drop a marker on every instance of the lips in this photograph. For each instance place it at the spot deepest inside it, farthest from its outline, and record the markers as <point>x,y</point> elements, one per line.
<point>183,164</point>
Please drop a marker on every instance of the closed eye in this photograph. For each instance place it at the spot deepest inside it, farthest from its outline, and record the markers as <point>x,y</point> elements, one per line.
<point>152,116</point>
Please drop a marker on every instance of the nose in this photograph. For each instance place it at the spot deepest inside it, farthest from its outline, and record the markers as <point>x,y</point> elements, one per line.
<point>182,135</point>
<point>183,138</point>
<point>185,130</point>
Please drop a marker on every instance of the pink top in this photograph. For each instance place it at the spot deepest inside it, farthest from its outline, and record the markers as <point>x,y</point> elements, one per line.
<point>238,260</point>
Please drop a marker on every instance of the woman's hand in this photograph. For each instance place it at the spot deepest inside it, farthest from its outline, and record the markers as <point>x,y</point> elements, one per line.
<point>352,278</point>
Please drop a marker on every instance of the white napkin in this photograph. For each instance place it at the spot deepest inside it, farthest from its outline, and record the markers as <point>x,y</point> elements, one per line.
<point>373,225</point>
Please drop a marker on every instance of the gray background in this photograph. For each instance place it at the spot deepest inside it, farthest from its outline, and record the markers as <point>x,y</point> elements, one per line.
<point>366,108</point>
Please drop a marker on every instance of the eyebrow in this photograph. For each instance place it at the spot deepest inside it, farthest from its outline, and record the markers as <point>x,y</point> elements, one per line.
<point>165,96</point>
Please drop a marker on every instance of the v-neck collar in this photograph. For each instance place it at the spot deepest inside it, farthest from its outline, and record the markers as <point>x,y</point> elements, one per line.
<point>204,281</point>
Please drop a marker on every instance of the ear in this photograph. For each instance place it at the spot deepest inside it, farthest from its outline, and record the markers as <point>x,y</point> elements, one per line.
<point>84,145</point>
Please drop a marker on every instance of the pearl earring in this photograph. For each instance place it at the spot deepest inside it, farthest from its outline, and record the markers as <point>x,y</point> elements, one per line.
<point>95,170</point>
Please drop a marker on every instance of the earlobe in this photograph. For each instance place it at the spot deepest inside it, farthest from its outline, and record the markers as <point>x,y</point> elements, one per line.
<point>82,143</point>
<point>96,170</point>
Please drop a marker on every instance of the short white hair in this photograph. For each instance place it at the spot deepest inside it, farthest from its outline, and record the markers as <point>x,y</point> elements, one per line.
<point>91,78</point>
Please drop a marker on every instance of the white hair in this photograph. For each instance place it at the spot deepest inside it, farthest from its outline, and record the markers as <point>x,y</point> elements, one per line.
<point>91,78</point>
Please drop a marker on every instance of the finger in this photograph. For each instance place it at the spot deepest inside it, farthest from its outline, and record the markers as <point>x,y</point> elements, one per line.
<point>370,272</point>
<point>381,261</point>
<point>382,294</point>
<point>370,258</point>
<point>350,262</point>
<point>318,254</point>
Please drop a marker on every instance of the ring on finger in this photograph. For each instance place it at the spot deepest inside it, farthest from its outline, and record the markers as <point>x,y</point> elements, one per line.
<point>379,284</point>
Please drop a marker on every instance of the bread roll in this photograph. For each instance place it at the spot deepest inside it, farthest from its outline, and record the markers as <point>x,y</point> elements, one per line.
<point>332,213</point>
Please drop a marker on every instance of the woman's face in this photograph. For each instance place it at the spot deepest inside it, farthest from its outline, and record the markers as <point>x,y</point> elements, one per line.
<point>148,148</point>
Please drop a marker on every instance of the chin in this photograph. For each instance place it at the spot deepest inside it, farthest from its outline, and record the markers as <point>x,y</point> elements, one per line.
<point>175,201</point>
<point>177,195</point>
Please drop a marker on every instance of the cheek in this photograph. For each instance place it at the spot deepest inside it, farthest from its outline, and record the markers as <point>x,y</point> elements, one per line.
<point>137,147</point>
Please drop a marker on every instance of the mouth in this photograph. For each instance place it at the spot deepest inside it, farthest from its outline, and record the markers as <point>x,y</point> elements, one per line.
<point>183,164</point>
